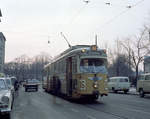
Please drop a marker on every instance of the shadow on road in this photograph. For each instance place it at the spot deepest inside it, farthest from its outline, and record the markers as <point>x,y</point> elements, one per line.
<point>121,93</point>
<point>147,97</point>
<point>4,116</point>
<point>77,101</point>
<point>87,102</point>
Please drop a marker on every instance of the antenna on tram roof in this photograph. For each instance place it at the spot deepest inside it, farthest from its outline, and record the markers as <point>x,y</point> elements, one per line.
<point>65,39</point>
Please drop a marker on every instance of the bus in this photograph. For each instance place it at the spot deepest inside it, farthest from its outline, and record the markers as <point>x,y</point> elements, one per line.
<point>79,72</point>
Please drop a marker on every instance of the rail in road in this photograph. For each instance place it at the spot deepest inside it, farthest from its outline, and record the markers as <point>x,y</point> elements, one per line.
<point>41,105</point>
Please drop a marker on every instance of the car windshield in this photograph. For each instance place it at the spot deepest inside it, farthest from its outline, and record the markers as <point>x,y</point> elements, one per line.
<point>2,85</point>
<point>93,65</point>
<point>32,81</point>
<point>8,81</point>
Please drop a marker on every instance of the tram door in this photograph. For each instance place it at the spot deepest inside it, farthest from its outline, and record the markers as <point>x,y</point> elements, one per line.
<point>69,76</point>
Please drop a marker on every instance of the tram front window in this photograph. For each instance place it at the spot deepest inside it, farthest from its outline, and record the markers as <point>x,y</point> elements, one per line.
<point>93,65</point>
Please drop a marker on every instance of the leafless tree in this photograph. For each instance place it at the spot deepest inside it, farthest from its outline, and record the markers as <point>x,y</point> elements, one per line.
<point>136,48</point>
<point>24,67</point>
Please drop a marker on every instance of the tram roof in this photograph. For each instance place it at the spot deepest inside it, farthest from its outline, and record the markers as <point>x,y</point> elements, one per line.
<point>72,49</point>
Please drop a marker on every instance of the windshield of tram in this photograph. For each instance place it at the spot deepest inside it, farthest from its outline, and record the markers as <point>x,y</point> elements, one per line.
<point>93,65</point>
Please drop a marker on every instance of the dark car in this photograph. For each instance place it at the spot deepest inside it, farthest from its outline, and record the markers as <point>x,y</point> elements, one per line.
<point>31,84</point>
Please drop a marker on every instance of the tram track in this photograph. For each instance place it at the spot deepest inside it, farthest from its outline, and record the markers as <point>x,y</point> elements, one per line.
<point>106,112</point>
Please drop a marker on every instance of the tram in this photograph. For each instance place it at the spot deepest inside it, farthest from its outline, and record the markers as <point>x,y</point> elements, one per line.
<point>78,72</point>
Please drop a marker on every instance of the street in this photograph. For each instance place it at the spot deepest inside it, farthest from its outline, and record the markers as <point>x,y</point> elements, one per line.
<point>41,105</point>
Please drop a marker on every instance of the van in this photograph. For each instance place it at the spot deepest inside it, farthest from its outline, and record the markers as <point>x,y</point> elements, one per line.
<point>116,84</point>
<point>143,84</point>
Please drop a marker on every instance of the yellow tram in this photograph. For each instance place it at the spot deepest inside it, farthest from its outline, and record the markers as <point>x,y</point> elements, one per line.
<point>78,72</point>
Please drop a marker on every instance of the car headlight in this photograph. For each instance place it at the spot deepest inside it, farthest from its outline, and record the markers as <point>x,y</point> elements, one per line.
<point>5,100</point>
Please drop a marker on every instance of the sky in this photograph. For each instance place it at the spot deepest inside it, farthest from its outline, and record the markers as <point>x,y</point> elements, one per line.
<point>29,24</point>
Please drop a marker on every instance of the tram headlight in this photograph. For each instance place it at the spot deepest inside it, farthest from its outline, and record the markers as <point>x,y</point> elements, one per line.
<point>83,50</point>
<point>95,84</point>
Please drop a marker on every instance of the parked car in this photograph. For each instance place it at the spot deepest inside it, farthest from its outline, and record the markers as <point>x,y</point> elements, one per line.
<point>15,83</point>
<point>31,84</point>
<point>10,85</point>
<point>6,99</point>
<point>143,84</point>
<point>116,84</point>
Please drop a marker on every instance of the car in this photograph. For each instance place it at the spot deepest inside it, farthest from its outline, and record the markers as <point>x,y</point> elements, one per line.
<point>10,85</point>
<point>116,84</point>
<point>6,99</point>
<point>31,84</point>
<point>15,83</point>
<point>143,84</point>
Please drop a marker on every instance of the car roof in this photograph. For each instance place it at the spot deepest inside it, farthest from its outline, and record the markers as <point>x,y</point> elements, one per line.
<point>118,77</point>
<point>2,78</point>
<point>145,74</point>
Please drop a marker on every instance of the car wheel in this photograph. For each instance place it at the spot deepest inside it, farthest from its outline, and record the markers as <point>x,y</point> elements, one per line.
<point>113,89</point>
<point>141,93</point>
<point>125,91</point>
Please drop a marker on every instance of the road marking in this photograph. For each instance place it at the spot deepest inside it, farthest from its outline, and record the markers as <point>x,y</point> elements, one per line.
<point>74,110</point>
<point>90,117</point>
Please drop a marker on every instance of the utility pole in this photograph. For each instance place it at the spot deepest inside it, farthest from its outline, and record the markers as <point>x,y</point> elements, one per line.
<point>0,14</point>
<point>129,65</point>
<point>96,40</point>
<point>149,34</point>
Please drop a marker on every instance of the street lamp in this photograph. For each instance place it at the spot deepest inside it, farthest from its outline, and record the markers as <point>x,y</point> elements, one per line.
<point>0,14</point>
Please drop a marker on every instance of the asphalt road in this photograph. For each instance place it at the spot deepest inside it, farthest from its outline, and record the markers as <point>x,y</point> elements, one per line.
<point>41,105</point>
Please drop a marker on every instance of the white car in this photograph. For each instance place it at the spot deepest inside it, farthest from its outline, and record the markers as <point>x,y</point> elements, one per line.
<point>143,84</point>
<point>6,100</point>
<point>10,85</point>
<point>116,84</point>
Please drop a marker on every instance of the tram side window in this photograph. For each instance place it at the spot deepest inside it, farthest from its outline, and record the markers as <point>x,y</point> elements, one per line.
<point>64,65</point>
<point>60,66</point>
<point>74,65</point>
<point>57,67</point>
<point>52,68</point>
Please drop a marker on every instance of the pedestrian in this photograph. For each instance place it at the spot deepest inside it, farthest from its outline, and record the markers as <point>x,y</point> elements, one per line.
<point>16,85</point>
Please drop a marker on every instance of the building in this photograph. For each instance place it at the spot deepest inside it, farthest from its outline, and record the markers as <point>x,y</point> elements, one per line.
<point>2,51</point>
<point>147,64</point>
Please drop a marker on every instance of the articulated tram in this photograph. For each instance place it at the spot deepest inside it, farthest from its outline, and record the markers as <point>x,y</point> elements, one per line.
<point>80,71</point>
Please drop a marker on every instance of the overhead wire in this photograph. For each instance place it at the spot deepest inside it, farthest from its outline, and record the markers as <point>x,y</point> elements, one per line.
<point>75,16</point>
<point>129,7</point>
<point>79,11</point>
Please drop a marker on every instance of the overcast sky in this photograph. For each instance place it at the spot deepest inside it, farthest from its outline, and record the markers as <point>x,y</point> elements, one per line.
<point>29,24</point>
